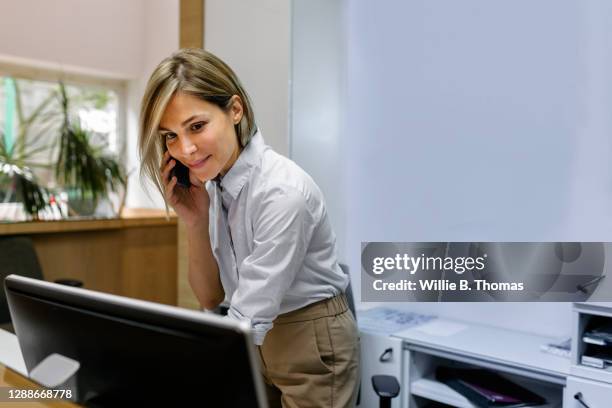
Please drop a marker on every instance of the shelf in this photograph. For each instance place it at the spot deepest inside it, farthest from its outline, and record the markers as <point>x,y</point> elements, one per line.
<point>436,391</point>
<point>588,316</point>
<point>130,218</point>
<point>596,374</point>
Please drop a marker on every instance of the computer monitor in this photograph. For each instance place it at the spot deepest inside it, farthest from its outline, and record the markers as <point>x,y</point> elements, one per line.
<point>133,351</point>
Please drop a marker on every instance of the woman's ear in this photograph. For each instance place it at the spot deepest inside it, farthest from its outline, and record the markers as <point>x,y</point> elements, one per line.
<point>236,109</point>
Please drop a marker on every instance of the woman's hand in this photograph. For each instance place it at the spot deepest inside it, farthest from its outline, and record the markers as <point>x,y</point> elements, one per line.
<point>190,204</point>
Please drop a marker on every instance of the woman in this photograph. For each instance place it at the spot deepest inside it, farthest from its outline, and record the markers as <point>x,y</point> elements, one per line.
<point>258,231</point>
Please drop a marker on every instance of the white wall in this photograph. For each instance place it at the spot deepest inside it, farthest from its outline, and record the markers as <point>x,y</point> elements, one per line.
<point>119,39</point>
<point>318,71</point>
<point>160,39</point>
<point>477,121</point>
<point>253,38</point>
<point>289,54</point>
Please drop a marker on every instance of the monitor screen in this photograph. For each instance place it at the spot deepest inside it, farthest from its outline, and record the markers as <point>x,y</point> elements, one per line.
<point>136,351</point>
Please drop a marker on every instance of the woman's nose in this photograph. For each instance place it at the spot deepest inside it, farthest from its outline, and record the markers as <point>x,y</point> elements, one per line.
<point>186,145</point>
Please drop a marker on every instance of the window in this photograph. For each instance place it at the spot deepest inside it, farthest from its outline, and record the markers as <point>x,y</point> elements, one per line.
<point>31,110</point>
<point>32,114</point>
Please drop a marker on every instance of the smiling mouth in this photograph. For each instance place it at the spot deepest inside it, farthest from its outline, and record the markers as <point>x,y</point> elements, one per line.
<point>199,163</point>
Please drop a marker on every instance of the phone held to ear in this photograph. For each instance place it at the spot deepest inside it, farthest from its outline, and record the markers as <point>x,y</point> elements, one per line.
<point>181,172</point>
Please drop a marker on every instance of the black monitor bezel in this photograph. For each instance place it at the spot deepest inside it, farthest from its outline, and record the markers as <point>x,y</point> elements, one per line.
<point>136,312</point>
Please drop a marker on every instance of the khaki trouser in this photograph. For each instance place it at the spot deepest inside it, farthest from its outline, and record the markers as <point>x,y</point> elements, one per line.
<point>310,358</point>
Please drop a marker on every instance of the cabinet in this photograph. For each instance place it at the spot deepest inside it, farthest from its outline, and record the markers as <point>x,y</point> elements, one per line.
<point>593,385</point>
<point>412,356</point>
<point>594,394</point>
<point>514,355</point>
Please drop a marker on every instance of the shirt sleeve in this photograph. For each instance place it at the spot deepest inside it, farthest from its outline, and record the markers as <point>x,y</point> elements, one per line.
<point>282,229</point>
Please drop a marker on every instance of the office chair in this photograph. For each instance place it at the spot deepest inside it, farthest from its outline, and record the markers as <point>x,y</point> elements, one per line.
<point>351,304</point>
<point>349,291</point>
<point>18,256</point>
<point>385,386</point>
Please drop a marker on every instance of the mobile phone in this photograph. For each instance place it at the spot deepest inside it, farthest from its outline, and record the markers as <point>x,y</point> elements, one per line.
<point>182,174</point>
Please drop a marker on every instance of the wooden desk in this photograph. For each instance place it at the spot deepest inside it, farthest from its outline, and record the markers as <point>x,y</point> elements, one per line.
<point>134,256</point>
<point>9,378</point>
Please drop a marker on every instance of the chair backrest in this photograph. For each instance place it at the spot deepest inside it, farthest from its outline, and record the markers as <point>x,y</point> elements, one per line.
<point>351,303</point>
<point>18,256</point>
<point>349,291</point>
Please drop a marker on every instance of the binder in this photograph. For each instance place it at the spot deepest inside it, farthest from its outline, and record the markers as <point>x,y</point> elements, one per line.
<point>487,389</point>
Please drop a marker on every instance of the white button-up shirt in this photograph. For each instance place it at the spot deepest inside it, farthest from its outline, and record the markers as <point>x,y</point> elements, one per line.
<point>272,238</point>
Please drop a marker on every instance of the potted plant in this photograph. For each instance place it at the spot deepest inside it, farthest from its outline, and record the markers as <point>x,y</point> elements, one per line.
<point>81,167</point>
<point>17,160</point>
<point>84,170</point>
<point>17,182</point>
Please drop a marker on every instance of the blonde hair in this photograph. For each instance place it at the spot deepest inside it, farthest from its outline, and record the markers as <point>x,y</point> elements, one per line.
<point>198,73</point>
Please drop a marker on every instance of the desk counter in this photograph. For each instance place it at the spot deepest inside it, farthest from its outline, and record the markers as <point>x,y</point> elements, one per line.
<point>134,255</point>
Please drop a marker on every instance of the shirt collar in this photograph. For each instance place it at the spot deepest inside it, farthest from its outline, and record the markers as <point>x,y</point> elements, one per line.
<point>239,173</point>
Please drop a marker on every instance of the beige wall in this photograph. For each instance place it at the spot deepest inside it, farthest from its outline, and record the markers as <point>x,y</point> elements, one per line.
<point>104,35</point>
<point>253,38</point>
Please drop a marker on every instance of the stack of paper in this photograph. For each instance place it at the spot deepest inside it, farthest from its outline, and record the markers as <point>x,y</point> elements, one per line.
<point>384,320</point>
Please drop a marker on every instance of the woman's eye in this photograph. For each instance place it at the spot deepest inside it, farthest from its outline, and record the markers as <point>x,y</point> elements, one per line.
<point>169,136</point>
<point>197,126</point>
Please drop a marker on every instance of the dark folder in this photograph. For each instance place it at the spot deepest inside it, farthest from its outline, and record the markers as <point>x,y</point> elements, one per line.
<point>487,389</point>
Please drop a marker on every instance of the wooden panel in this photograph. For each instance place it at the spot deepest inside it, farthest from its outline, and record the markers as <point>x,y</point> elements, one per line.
<point>191,25</point>
<point>135,261</point>
<point>186,297</point>
<point>93,257</point>
<point>149,264</point>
